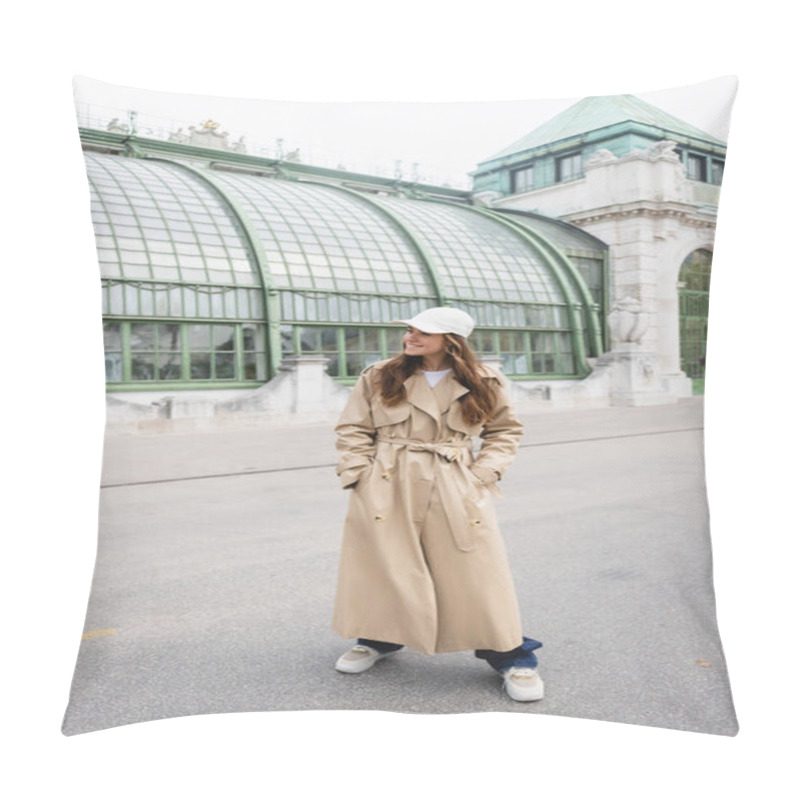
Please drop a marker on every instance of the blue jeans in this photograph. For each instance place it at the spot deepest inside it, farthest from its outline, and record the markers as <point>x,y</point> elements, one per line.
<point>521,656</point>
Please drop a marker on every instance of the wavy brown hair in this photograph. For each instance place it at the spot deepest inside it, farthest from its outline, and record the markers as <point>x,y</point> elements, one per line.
<point>477,405</point>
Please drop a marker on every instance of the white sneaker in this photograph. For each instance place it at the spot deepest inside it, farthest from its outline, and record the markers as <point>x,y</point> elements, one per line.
<point>523,684</point>
<point>360,658</point>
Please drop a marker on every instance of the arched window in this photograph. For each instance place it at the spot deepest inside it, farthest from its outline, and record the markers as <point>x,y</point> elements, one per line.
<point>693,289</point>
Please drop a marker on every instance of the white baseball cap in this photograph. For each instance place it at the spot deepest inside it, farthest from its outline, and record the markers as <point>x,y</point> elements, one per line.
<point>441,320</point>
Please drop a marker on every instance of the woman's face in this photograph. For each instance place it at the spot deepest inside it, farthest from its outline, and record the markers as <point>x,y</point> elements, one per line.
<point>417,343</point>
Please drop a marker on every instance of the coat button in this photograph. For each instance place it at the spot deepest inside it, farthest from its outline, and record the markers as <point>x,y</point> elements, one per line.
<point>379,518</point>
<point>386,476</point>
<point>474,522</point>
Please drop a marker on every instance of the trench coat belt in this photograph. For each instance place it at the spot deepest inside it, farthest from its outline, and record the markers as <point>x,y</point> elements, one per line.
<point>461,527</point>
<point>449,451</point>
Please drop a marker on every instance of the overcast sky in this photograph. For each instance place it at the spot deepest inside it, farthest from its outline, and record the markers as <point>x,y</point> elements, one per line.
<point>446,140</point>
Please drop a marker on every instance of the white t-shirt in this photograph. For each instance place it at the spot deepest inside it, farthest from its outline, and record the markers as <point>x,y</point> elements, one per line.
<point>435,377</point>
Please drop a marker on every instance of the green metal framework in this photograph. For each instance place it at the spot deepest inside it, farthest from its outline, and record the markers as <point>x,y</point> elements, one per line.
<point>520,345</point>
<point>168,354</point>
<point>212,273</point>
<point>693,293</point>
<point>439,294</point>
<point>257,254</point>
<point>584,251</point>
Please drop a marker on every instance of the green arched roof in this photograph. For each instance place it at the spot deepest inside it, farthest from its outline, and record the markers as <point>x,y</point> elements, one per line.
<point>474,256</point>
<point>569,238</point>
<point>316,237</point>
<point>154,220</point>
<point>163,220</point>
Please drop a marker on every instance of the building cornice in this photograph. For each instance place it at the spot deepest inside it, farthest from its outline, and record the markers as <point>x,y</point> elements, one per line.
<point>597,137</point>
<point>705,217</point>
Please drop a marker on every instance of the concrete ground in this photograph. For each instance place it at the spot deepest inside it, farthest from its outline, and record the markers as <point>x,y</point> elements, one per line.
<point>217,562</point>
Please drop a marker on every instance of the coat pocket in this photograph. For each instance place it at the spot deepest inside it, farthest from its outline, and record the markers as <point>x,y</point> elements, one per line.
<point>350,478</point>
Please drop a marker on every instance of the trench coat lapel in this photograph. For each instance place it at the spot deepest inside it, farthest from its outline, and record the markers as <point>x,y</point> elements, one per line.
<point>420,396</point>
<point>456,389</point>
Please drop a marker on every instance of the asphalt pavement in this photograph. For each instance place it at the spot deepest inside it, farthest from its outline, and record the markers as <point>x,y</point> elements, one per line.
<point>218,552</point>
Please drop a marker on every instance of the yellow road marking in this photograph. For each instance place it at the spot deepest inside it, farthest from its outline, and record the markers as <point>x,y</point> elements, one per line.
<point>95,634</point>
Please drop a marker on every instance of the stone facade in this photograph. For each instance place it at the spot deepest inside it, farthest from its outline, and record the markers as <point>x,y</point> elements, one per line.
<point>301,393</point>
<point>652,217</point>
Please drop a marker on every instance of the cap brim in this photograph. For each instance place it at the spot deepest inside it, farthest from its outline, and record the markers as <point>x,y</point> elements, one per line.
<point>432,329</point>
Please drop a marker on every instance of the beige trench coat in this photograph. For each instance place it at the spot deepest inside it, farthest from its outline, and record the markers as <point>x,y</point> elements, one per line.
<point>423,563</point>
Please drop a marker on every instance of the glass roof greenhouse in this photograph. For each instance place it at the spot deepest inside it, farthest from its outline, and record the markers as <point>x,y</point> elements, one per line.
<point>218,265</point>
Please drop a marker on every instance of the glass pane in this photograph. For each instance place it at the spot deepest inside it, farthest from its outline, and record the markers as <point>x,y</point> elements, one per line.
<point>515,364</point>
<point>133,271</point>
<point>329,340</point>
<point>229,299</point>
<point>352,339</point>
<point>216,306</point>
<point>199,337</point>
<point>569,167</point>
<point>113,367</point>
<point>147,303</point>
<point>535,317</point>
<point>394,340</point>
<point>169,337</point>
<point>696,271</point>
<point>143,367</point>
<point>333,366</point>
<point>169,367</point>
<point>287,340</point>
<point>190,302</point>
<point>251,337</point>
<point>510,341</point>
<point>255,367</point>
<point>541,342</point>
<point>225,365</point>
<point>223,337</point>
<point>200,366</point>
<point>355,363</point>
<point>371,339</point>
<point>143,337</point>
<point>111,336</point>
<point>309,340</point>
<point>696,168</point>
<point>116,303</point>
<point>484,341</point>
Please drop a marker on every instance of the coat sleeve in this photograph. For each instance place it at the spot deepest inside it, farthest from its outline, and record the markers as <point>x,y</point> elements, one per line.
<point>501,435</point>
<point>355,433</point>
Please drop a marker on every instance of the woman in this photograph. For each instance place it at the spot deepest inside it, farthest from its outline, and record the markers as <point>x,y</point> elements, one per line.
<point>423,564</point>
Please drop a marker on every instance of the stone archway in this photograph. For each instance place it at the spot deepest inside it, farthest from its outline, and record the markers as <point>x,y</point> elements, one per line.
<point>694,281</point>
